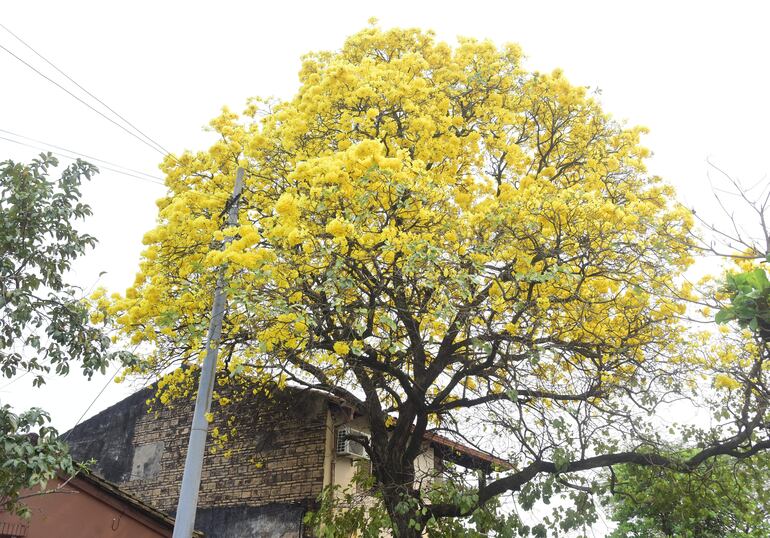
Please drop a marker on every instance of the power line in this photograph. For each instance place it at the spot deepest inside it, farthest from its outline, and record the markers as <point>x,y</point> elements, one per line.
<point>93,401</point>
<point>117,171</point>
<point>120,366</point>
<point>89,157</point>
<point>102,114</point>
<point>105,105</point>
<point>14,380</point>
<point>70,157</point>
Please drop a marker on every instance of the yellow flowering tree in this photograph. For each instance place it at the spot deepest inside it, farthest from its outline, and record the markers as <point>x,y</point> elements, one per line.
<point>445,240</point>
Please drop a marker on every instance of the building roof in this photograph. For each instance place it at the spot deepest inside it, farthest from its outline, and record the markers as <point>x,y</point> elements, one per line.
<point>112,494</point>
<point>463,454</point>
<point>448,449</point>
<point>52,506</point>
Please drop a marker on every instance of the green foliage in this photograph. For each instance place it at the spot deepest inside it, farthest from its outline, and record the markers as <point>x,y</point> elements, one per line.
<point>344,512</point>
<point>28,459</point>
<point>44,327</point>
<point>39,244</point>
<point>358,510</point>
<point>749,301</point>
<point>723,498</point>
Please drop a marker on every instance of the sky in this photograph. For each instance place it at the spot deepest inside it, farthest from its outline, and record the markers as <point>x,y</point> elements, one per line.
<point>694,73</point>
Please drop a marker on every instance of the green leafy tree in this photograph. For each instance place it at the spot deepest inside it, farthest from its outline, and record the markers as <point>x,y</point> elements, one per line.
<point>726,496</point>
<point>39,244</point>
<point>744,296</point>
<point>749,294</point>
<point>44,327</point>
<point>31,454</point>
<point>722,498</point>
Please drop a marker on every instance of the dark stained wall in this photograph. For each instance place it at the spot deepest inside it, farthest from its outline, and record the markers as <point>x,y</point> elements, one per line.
<point>274,471</point>
<point>108,437</point>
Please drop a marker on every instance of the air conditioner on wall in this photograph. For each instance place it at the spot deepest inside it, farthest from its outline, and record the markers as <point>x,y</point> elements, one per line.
<point>350,447</point>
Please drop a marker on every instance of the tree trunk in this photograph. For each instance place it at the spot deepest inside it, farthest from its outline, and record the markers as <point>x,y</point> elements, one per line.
<point>393,468</point>
<point>665,524</point>
<point>396,478</point>
<point>406,523</point>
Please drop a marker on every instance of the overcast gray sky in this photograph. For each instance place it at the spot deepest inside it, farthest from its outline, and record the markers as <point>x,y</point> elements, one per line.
<point>695,73</point>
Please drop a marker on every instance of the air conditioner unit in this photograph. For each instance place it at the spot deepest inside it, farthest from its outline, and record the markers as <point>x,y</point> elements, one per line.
<point>350,447</point>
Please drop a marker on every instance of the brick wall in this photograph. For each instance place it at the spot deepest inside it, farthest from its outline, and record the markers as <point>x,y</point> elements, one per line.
<point>144,453</point>
<point>277,455</point>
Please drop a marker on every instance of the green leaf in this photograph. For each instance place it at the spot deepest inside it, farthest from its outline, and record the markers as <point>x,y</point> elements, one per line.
<point>725,315</point>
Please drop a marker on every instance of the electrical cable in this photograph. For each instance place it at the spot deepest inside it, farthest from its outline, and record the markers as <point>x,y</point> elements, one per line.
<point>79,154</point>
<point>64,438</point>
<point>102,114</point>
<point>105,105</point>
<point>14,380</point>
<point>150,142</point>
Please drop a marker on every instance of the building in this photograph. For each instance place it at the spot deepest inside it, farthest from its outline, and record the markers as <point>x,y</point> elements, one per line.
<point>87,506</point>
<point>280,454</point>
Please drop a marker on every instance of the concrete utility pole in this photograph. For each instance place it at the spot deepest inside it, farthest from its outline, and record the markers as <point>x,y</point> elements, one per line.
<point>184,524</point>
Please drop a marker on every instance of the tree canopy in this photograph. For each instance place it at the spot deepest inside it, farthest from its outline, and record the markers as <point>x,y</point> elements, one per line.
<point>449,242</point>
<point>44,324</point>
<point>39,243</point>
<point>723,498</point>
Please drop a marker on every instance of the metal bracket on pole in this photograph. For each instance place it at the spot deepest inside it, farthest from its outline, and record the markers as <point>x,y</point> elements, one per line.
<point>184,524</point>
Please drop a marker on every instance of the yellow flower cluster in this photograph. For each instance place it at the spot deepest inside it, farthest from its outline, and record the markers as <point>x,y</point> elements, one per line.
<point>410,179</point>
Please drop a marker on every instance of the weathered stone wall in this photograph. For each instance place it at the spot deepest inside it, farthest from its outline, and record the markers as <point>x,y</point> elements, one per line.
<point>276,459</point>
<point>108,437</point>
<point>269,521</point>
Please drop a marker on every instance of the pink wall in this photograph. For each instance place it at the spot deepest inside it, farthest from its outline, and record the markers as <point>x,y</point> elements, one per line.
<point>82,510</point>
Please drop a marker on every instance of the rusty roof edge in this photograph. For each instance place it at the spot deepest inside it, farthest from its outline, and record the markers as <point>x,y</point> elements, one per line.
<point>466,450</point>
